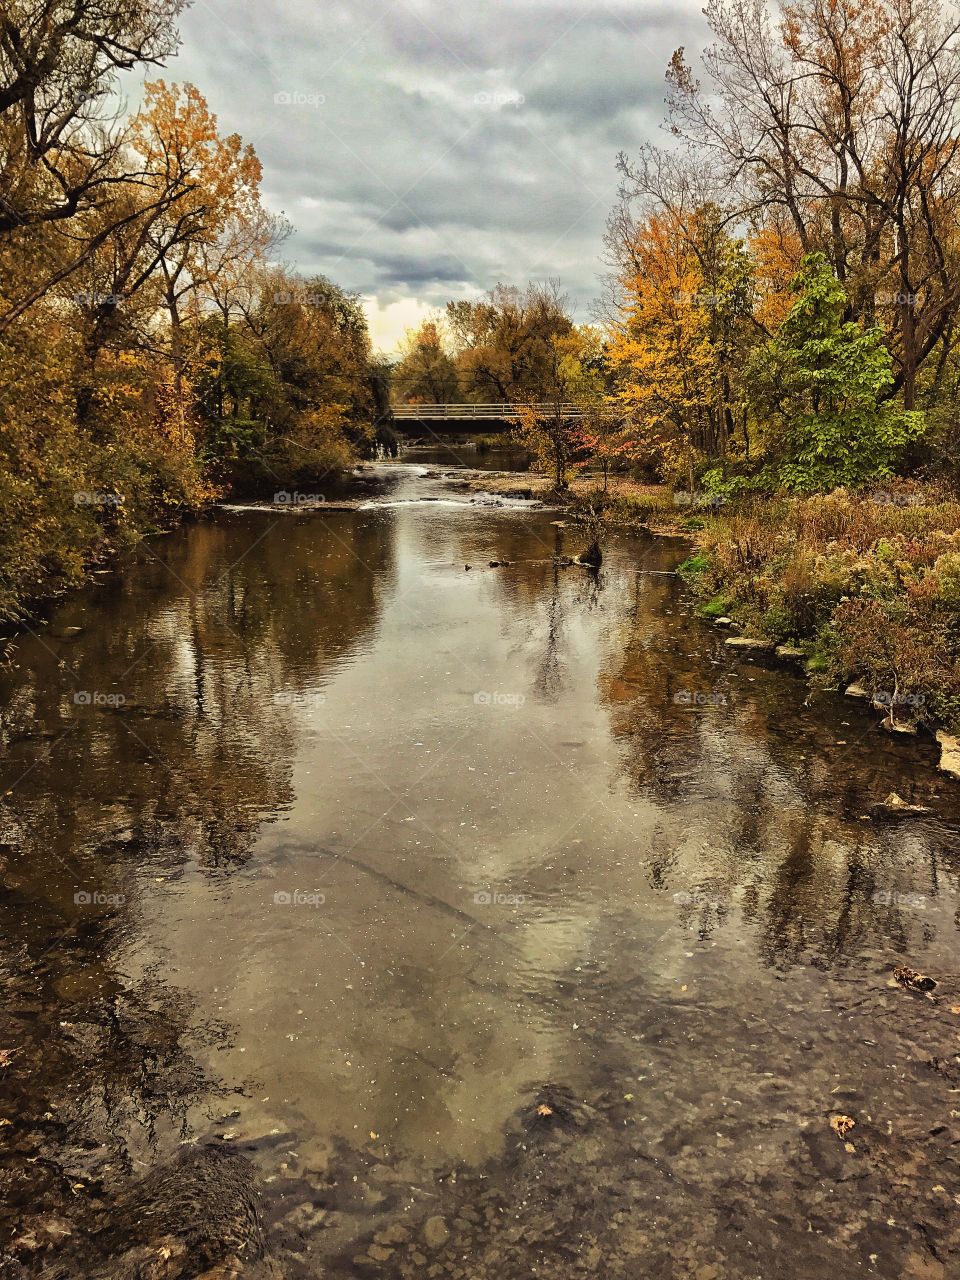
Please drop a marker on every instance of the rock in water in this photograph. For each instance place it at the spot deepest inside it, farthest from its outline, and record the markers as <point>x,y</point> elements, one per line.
<point>895,806</point>
<point>197,1212</point>
<point>435,1232</point>
<point>592,556</point>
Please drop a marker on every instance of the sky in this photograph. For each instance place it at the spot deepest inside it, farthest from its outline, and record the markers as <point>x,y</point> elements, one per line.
<point>425,150</point>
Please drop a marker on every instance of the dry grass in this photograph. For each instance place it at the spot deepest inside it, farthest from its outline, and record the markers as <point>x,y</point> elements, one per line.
<point>870,584</point>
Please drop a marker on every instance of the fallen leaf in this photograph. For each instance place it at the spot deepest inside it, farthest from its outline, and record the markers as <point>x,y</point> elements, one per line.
<point>544,1110</point>
<point>914,980</point>
<point>841,1125</point>
<point>373,1136</point>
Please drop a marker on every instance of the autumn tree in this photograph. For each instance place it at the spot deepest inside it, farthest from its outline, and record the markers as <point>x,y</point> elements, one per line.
<point>678,342</point>
<point>63,148</point>
<point>503,342</point>
<point>570,390</point>
<point>842,117</point>
<point>425,372</point>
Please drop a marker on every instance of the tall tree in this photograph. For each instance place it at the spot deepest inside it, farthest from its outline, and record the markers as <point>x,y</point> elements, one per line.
<point>842,115</point>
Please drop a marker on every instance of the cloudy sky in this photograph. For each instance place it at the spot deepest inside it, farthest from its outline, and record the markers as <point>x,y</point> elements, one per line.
<point>425,149</point>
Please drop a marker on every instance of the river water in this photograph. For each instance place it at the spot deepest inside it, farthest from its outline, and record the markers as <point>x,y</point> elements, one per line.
<point>501,917</point>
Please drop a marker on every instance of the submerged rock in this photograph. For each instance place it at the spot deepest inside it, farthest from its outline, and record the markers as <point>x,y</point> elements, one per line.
<point>435,1232</point>
<point>198,1212</point>
<point>895,806</point>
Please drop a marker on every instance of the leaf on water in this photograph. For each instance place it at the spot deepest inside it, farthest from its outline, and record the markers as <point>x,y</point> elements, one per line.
<point>841,1125</point>
<point>544,1110</point>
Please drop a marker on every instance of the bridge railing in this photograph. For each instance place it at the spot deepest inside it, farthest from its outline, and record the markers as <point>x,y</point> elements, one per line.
<point>501,412</point>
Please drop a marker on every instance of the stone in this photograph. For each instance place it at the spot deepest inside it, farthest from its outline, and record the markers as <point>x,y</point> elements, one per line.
<point>378,1253</point>
<point>790,651</point>
<point>898,726</point>
<point>949,753</point>
<point>746,643</point>
<point>306,1217</point>
<point>895,805</point>
<point>723,622</point>
<point>435,1232</point>
<point>855,690</point>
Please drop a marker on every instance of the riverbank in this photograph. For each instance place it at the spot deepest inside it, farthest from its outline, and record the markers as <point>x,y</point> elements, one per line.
<point>862,589</point>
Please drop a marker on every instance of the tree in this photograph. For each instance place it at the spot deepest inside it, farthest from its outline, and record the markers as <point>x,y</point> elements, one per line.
<point>426,373</point>
<point>62,152</point>
<point>570,378</point>
<point>504,342</point>
<point>842,117</point>
<point>824,378</point>
<point>678,344</point>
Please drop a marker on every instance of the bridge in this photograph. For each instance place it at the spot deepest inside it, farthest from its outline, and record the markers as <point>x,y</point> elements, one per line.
<point>471,417</point>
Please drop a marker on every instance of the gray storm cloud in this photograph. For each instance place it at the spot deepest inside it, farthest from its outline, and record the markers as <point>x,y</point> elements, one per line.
<point>428,151</point>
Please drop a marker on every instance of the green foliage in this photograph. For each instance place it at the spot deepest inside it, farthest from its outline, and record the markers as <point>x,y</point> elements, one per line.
<point>694,567</point>
<point>824,379</point>
<point>718,606</point>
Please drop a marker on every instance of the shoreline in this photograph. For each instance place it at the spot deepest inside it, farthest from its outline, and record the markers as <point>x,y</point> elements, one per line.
<point>724,598</point>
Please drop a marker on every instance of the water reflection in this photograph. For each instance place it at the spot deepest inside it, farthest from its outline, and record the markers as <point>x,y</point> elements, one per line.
<point>308,821</point>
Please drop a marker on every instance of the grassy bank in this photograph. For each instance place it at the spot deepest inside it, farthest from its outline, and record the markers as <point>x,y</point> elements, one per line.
<point>868,585</point>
